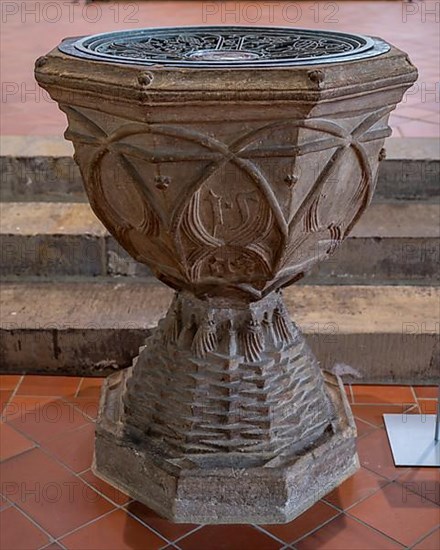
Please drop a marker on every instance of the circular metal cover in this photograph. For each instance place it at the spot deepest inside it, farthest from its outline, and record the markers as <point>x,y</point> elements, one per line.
<point>224,46</point>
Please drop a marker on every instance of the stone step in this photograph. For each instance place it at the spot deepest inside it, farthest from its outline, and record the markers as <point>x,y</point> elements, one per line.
<point>42,169</point>
<point>411,170</point>
<point>393,242</point>
<point>372,334</point>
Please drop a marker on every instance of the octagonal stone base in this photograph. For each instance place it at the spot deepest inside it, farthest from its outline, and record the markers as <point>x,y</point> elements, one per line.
<point>205,489</point>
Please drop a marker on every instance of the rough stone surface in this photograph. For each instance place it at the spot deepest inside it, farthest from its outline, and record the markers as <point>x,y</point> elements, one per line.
<point>243,382</point>
<point>385,334</point>
<point>46,240</point>
<point>51,178</point>
<point>224,487</point>
<point>411,170</point>
<point>119,262</point>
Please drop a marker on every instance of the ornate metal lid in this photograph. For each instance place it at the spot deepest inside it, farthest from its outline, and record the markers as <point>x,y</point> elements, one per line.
<point>224,46</point>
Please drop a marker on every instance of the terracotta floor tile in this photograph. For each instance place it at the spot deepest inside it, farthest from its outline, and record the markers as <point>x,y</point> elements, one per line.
<point>396,120</point>
<point>396,395</point>
<point>56,386</point>
<point>399,513</point>
<point>426,392</point>
<point>5,395</point>
<point>312,518</point>
<point>49,420</point>
<point>362,427</point>
<point>431,542</point>
<point>74,448</point>
<point>169,530</point>
<point>115,531</point>
<point>403,110</point>
<point>90,387</point>
<point>20,405</point>
<point>345,533</point>
<point>373,414</point>
<point>424,481</point>
<point>9,381</point>
<point>109,491</point>
<point>420,128</point>
<point>53,546</point>
<point>3,503</point>
<point>18,533</point>
<point>427,406</point>
<point>55,498</point>
<point>375,455</point>
<point>12,443</point>
<point>87,406</point>
<point>355,489</point>
<point>228,537</point>
<point>395,132</point>
<point>431,106</point>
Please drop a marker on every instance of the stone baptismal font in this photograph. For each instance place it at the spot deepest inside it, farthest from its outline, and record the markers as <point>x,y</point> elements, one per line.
<point>229,160</point>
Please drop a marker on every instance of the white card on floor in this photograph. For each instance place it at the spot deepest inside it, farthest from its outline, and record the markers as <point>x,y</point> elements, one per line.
<point>412,439</point>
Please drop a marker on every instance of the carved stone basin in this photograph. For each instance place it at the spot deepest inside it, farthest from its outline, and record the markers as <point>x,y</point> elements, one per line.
<point>229,160</point>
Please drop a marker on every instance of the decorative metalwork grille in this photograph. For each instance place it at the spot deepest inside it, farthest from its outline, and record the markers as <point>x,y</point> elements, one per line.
<point>225,46</point>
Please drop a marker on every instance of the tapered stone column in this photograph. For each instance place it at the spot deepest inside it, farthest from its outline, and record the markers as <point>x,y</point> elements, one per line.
<point>217,377</point>
<point>216,415</point>
<point>229,160</point>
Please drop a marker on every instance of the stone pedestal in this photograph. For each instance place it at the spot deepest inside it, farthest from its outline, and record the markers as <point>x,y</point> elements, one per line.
<point>225,417</point>
<point>230,160</point>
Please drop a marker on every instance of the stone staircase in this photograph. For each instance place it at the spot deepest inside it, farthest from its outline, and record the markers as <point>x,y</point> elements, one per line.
<point>73,302</point>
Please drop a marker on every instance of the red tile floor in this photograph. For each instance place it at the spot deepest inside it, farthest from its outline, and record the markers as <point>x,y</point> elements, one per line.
<point>50,498</point>
<point>32,28</point>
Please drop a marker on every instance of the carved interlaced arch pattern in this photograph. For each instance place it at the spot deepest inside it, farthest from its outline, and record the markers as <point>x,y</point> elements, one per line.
<point>185,218</point>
